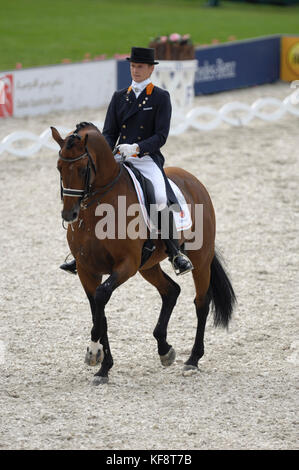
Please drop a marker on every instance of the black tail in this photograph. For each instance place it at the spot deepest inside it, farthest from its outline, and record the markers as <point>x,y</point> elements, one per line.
<point>221,293</point>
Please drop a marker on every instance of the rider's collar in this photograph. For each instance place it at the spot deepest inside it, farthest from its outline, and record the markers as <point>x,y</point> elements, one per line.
<point>145,84</point>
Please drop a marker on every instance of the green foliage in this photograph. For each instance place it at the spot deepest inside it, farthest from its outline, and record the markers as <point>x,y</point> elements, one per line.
<point>41,32</point>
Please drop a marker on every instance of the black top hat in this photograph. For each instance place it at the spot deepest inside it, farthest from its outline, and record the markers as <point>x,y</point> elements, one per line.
<point>142,55</point>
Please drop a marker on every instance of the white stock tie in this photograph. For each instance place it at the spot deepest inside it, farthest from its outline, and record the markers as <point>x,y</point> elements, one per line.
<point>137,91</point>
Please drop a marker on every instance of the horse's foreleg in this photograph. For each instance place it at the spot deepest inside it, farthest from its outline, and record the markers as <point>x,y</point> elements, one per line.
<point>99,331</point>
<point>169,292</point>
<point>94,354</point>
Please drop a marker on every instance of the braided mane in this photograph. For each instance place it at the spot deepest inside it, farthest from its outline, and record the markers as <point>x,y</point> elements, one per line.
<point>75,135</point>
<point>84,124</point>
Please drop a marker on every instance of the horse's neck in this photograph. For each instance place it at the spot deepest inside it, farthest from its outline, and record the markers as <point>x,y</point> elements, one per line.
<point>107,168</point>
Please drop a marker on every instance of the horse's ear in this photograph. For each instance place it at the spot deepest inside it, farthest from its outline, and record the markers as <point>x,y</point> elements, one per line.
<point>56,136</point>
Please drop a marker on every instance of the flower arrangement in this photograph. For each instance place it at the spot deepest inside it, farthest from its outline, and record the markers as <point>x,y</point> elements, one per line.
<point>173,47</point>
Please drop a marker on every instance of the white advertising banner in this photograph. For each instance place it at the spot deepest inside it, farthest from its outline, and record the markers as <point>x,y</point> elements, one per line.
<point>63,87</point>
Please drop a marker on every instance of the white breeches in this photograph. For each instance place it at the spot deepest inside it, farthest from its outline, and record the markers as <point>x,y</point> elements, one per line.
<point>150,170</point>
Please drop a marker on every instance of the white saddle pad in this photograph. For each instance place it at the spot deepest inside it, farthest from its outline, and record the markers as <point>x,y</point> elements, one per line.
<point>182,219</point>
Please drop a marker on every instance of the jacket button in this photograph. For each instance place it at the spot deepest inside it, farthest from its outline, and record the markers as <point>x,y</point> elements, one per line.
<point>124,126</point>
<point>124,137</point>
<point>141,127</point>
<point>139,138</point>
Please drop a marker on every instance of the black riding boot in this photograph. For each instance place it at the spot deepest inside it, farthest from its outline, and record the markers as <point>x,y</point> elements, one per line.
<point>180,262</point>
<point>70,267</point>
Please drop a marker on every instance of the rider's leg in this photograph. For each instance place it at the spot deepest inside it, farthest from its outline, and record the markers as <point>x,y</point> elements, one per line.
<point>151,171</point>
<point>180,262</point>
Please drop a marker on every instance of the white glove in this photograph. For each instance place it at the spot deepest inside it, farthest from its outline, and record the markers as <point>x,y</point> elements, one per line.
<point>128,150</point>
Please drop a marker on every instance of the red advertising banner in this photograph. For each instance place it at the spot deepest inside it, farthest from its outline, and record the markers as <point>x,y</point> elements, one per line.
<point>6,95</point>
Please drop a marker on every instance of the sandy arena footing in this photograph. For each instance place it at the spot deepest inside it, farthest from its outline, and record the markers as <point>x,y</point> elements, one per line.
<point>244,395</point>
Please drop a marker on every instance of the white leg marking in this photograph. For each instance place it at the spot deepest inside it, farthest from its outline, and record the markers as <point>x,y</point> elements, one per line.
<point>94,347</point>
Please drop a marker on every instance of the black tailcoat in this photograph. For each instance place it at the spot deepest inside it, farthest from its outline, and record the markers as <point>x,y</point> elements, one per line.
<point>144,121</point>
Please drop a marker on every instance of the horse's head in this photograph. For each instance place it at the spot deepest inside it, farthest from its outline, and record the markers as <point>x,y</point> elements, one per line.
<point>76,168</point>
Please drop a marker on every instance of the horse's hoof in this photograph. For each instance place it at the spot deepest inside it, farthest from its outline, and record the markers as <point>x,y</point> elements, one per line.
<point>98,380</point>
<point>92,357</point>
<point>188,369</point>
<point>168,358</point>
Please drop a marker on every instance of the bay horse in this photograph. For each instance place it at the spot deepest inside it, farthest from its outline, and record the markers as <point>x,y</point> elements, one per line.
<point>90,177</point>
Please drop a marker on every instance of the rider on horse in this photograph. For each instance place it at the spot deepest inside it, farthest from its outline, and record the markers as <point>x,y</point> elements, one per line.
<point>138,122</point>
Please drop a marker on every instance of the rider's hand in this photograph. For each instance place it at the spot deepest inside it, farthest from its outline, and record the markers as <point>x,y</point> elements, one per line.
<point>128,150</point>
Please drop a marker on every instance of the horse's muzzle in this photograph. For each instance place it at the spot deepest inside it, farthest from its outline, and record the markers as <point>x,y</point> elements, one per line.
<point>70,215</point>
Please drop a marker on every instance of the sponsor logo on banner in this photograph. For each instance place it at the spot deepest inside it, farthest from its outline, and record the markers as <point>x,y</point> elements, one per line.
<point>293,58</point>
<point>41,90</point>
<point>6,95</point>
<point>289,69</point>
<point>237,65</point>
<point>217,71</point>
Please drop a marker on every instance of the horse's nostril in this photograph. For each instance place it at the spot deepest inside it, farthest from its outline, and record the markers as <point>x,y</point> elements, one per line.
<point>69,216</point>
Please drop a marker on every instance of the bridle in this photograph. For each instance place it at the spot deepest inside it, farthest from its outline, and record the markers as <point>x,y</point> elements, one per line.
<point>85,193</point>
<point>82,193</point>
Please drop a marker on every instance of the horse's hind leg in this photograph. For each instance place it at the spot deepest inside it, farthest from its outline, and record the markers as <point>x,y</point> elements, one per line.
<point>201,279</point>
<point>169,292</point>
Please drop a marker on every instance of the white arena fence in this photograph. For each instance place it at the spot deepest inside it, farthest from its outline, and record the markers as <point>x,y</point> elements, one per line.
<point>237,113</point>
<point>200,118</point>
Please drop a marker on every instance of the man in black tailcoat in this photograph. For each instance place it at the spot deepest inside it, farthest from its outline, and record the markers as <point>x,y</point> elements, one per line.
<point>137,122</point>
